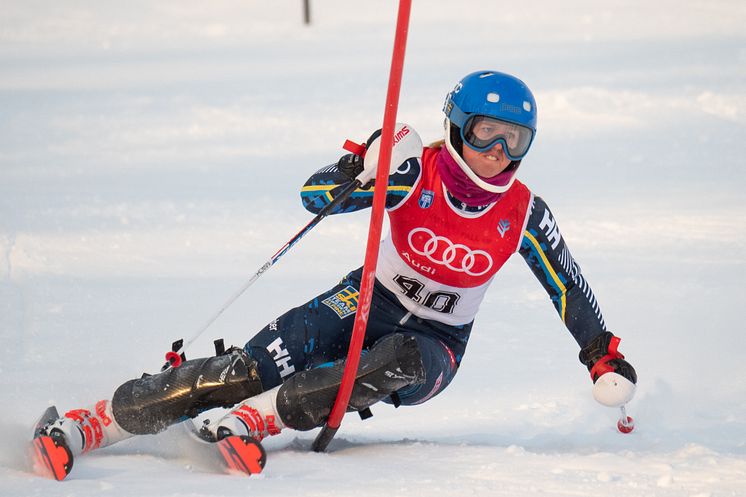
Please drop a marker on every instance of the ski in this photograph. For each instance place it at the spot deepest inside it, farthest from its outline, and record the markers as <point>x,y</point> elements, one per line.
<point>51,458</point>
<point>242,454</point>
<point>50,455</point>
<point>231,454</point>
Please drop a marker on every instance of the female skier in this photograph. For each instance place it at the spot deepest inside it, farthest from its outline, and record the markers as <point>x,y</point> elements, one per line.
<point>457,213</point>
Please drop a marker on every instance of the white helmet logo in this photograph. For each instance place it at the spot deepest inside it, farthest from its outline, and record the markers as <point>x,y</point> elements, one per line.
<point>455,256</point>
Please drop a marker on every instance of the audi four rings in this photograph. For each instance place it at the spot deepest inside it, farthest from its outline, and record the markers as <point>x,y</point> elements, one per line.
<point>430,244</point>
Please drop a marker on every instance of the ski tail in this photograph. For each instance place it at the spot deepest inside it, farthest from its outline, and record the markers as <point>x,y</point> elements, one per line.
<point>242,454</point>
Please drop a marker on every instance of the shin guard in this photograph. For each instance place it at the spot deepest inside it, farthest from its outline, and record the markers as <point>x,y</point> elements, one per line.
<point>150,404</point>
<point>306,399</point>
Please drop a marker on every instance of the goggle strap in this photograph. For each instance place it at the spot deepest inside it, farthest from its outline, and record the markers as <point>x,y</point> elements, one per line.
<point>457,116</point>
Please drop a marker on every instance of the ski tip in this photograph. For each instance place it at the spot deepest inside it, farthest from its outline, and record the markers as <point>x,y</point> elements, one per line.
<point>51,458</point>
<point>242,454</point>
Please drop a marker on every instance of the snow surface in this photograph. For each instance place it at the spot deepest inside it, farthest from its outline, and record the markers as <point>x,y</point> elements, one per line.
<point>150,158</point>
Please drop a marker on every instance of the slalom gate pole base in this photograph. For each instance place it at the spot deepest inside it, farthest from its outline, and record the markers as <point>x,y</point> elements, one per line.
<point>323,439</point>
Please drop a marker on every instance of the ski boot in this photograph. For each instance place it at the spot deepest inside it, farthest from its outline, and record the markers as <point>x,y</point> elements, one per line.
<point>239,433</point>
<point>58,440</point>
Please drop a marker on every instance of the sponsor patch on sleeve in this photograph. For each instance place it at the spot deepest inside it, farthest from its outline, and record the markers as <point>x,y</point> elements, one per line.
<point>344,303</point>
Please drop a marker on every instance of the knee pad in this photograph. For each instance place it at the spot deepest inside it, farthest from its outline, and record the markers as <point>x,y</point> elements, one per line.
<point>440,366</point>
<point>152,403</point>
<point>306,399</point>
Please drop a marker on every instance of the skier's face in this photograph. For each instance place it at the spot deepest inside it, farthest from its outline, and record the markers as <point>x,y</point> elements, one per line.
<point>488,163</point>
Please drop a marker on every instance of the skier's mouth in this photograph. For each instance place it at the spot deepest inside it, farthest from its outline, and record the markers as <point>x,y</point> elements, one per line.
<point>495,157</point>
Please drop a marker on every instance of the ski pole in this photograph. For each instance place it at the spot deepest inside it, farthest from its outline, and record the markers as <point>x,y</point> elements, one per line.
<point>174,357</point>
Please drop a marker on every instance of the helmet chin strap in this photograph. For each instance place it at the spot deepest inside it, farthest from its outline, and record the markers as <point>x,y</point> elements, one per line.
<point>467,170</point>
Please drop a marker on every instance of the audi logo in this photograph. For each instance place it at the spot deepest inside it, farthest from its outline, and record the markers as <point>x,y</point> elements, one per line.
<point>455,256</point>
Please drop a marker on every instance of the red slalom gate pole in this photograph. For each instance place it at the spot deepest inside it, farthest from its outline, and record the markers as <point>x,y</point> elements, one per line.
<point>374,232</point>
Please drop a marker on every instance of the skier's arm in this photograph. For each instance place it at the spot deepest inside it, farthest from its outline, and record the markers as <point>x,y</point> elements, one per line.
<point>326,183</point>
<point>547,255</point>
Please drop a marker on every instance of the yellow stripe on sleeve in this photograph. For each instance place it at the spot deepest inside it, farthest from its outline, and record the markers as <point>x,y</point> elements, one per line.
<point>329,188</point>
<point>548,267</point>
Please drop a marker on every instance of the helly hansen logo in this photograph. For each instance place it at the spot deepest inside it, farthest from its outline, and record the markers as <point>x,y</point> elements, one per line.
<point>281,356</point>
<point>550,229</point>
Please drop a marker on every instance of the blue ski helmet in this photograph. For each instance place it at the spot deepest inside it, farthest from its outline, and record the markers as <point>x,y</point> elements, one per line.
<point>486,108</point>
<point>500,98</point>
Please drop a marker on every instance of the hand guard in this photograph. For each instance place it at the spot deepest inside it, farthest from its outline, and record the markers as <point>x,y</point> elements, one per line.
<point>407,145</point>
<point>613,378</point>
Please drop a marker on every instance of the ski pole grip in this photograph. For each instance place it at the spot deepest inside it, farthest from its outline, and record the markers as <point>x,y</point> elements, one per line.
<point>366,176</point>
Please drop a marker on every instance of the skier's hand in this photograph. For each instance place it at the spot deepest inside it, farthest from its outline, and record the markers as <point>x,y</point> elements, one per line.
<point>351,165</point>
<point>613,377</point>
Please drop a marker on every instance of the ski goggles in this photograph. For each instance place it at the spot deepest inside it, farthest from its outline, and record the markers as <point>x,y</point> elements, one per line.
<point>481,133</point>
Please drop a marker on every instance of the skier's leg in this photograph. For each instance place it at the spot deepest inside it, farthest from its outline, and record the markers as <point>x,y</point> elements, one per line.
<point>305,400</point>
<point>150,404</point>
<point>301,339</point>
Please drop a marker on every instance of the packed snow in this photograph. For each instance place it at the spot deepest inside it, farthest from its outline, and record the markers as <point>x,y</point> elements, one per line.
<point>151,155</point>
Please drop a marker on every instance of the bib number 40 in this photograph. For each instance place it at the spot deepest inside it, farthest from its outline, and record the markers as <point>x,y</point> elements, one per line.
<point>437,301</point>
